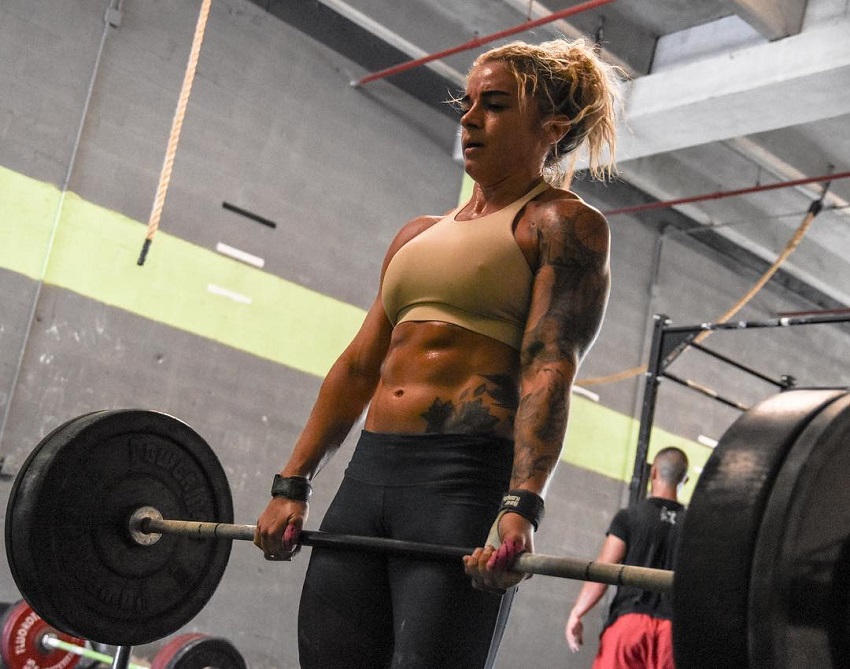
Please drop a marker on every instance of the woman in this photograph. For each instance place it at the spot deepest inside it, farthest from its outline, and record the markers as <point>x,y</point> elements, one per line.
<point>465,361</point>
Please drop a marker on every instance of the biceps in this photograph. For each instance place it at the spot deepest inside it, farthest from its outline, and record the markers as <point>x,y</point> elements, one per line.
<point>568,304</point>
<point>613,550</point>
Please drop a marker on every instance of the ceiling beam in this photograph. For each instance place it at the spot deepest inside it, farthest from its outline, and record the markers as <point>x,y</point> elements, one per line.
<point>350,33</point>
<point>774,19</point>
<point>394,39</point>
<point>535,10</point>
<point>790,82</point>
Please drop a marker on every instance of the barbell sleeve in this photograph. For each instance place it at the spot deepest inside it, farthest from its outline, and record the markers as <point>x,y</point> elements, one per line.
<point>52,642</point>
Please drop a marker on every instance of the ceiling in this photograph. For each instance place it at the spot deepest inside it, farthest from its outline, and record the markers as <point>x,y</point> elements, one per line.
<point>723,96</point>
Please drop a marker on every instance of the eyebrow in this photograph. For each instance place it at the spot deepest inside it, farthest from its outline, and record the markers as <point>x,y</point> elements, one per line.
<point>488,94</point>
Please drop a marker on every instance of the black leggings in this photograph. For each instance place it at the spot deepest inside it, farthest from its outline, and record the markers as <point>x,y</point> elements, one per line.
<point>368,611</point>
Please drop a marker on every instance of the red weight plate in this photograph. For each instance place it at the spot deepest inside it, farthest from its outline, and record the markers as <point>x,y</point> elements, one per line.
<point>712,573</point>
<point>198,651</point>
<point>67,533</point>
<point>799,610</point>
<point>21,645</point>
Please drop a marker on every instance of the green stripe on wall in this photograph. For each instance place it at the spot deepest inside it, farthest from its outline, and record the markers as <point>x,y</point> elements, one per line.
<point>605,441</point>
<point>94,254</point>
<point>27,208</point>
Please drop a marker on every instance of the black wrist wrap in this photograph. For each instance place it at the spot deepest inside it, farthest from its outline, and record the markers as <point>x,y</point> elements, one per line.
<point>297,488</point>
<point>527,504</point>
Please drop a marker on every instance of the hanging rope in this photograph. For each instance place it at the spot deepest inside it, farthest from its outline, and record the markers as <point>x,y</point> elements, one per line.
<point>790,247</point>
<point>814,209</point>
<point>613,378</point>
<point>176,127</point>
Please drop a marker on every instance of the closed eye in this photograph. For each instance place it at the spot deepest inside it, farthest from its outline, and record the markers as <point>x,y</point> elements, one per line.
<point>492,100</point>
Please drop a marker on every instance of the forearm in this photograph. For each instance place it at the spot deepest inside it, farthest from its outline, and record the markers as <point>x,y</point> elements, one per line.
<point>540,426</point>
<point>613,551</point>
<point>589,597</point>
<point>344,395</point>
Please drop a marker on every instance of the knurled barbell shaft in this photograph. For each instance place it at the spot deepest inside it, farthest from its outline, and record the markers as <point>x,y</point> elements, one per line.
<point>658,580</point>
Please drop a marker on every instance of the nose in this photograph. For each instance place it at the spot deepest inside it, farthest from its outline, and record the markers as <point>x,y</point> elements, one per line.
<point>470,117</point>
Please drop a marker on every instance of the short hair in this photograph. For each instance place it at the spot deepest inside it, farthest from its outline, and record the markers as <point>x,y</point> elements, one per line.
<point>671,463</point>
<point>567,77</point>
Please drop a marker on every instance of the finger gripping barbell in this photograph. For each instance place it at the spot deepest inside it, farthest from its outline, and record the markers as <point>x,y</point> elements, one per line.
<point>119,523</point>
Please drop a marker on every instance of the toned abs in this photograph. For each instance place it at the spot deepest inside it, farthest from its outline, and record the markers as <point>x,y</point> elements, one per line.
<point>441,378</point>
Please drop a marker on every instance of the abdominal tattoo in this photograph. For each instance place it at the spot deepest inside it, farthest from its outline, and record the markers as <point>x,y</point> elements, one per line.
<point>472,414</point>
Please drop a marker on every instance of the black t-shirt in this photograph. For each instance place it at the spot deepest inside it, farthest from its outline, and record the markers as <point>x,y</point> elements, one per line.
<point>651,529</point>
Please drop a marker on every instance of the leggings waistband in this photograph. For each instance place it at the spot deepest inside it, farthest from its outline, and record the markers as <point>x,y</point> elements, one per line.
<point>412,459</point>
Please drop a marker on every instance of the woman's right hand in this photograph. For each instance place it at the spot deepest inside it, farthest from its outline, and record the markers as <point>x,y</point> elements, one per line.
<point>279,528</point>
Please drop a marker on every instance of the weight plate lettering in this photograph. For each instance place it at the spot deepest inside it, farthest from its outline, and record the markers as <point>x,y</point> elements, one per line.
<point>67,526</point>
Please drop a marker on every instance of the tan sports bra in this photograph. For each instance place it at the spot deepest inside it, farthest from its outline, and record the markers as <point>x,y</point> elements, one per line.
<point>469,273</point>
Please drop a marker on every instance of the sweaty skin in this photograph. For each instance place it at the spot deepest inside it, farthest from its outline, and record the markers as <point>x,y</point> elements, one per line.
<point>428,376</point>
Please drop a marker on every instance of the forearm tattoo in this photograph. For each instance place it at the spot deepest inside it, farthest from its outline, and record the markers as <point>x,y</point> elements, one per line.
<point>544,412</point>
<point>474,412</point>
<point>546,409</point>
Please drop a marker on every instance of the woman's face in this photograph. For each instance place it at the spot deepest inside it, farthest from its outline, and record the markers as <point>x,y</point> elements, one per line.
<point>499,137</point>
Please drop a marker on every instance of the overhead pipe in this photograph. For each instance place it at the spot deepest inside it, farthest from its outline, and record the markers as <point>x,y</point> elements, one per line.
<point>478,41</point>
<point>666,204</point>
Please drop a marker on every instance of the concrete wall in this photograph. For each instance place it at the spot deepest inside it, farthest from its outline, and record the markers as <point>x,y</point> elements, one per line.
<point>273,127</point>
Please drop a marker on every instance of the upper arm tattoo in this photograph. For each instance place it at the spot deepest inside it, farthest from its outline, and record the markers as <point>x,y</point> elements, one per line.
<point>574,270</point>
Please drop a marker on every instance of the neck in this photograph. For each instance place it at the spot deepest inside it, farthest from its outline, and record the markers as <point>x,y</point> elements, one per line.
<point>489,198</point>
<point>664,492</point>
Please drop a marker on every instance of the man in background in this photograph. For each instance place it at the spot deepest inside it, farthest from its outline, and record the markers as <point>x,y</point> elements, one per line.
<point>638,631</point>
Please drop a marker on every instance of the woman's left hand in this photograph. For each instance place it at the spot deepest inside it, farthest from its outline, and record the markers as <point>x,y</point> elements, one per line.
<point>490,566</point>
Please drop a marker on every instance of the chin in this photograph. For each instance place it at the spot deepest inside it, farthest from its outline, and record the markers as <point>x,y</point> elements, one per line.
<point>472,169</point>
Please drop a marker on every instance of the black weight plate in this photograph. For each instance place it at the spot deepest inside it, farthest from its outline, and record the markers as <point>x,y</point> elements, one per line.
<point>67,429</point>
<point>198,651</point>
<point>712,573</point>
<point>800,584</point>
<point>67,536</point>
<point>57,436</point>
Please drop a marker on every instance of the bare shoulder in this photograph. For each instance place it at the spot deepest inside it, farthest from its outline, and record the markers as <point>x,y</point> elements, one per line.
<point>566,225</point>
<point>407,232</point>
<point>410,229</point>
<point>413,227</point>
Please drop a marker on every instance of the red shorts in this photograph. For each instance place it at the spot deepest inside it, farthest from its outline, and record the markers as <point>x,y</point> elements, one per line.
<point>636,641</point>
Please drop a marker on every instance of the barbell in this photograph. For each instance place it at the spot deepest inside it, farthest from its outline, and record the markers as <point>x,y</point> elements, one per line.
<point>119,528</point>
<point>28,642</point>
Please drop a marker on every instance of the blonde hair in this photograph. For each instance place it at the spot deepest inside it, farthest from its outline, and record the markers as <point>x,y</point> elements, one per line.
<point>567,77</point>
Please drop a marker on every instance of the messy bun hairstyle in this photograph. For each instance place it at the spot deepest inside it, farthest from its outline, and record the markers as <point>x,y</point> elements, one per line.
<point>567,77</point>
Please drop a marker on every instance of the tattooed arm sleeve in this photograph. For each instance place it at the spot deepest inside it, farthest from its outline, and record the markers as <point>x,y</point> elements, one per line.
<point>569,297</point>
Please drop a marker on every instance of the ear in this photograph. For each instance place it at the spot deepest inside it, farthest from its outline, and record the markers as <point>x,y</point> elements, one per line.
<point>556,127</point>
